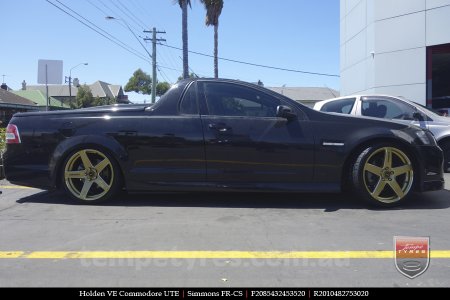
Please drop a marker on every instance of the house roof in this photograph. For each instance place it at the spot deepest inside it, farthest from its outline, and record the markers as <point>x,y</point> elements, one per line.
<point>54,90</point>
<point>115,89</point>
<point>38,97</point>
<point>99,89</point>
<point>306,93</point>
<point>11,98</point>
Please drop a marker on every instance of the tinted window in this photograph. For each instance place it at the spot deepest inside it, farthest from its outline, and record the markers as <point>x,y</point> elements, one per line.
<point>233,100</point>
<point>343,106</point>
<point>387,108</point>
<point>188,105</point>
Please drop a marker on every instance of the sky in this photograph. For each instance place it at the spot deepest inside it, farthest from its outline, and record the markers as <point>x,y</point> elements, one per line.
<point>292,34</point>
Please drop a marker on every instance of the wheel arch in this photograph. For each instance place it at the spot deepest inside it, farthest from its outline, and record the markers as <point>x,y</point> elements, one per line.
<point>357,149</point>
<point>104,143</point>
<point>444,141</point>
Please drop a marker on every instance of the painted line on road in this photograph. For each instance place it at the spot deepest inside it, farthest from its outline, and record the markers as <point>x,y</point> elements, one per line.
<point>208,254</point>
<point>12,187</point>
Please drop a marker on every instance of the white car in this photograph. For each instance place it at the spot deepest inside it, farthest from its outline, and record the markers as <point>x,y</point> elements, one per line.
<point>393,108</point>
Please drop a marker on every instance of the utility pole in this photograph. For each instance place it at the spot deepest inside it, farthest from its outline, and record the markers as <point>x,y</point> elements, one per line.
<point>154,40</point>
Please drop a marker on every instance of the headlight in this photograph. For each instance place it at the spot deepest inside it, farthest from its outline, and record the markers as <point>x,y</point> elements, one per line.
<point>425,137</point>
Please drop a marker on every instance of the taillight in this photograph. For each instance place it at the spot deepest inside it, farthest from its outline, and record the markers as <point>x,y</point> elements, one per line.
<point>12,134</point>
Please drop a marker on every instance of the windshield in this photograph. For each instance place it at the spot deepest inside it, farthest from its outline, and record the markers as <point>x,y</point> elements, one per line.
<point>430,111</point>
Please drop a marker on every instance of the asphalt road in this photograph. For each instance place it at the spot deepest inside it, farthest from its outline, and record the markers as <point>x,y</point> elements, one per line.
<point>215,240</point>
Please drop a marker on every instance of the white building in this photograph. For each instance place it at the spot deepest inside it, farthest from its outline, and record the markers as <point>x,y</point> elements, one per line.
<point>396,47</point>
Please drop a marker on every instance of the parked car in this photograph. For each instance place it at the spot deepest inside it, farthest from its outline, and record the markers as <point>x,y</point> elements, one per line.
<point>219,135</point>
<point>445,112</point>
<point>394,108</point>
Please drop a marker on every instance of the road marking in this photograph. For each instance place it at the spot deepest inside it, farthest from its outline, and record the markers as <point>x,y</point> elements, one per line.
<point>12,187</point>
<point>209,254</point>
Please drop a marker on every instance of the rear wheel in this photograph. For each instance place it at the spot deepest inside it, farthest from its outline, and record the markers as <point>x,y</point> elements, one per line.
<point>91,176</point>
<point>383,175</point>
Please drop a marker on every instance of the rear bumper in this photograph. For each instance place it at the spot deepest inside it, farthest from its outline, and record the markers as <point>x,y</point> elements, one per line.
<point>19,168</point>
<point>2,170</point>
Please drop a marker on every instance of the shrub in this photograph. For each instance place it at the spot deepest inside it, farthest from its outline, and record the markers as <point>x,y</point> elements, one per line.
<point>2,139</point>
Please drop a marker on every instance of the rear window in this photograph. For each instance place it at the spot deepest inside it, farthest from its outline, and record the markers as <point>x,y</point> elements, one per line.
<point>188,104</point>
<point>342,106</point>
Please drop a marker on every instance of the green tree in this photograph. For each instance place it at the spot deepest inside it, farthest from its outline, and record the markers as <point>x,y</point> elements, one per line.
<point>162,88</point>
<point>104,101</point>
<point>213,11</point>
<point>84,97</point>
<point>140,83</point>
<point>184,27</point>
<point>192,75</point>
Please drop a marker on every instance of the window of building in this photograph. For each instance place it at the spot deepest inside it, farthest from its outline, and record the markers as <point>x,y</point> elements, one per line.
<point>438,78</point>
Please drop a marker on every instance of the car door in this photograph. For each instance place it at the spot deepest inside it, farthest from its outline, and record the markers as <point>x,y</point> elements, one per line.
<point>169,149</point>
<point>392,109</point>
<point>247,144</point>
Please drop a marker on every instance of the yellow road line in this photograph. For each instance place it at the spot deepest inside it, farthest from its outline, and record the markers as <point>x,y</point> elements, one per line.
<point>14,187</point>
<point>209,254</point>
<point>11,254</point>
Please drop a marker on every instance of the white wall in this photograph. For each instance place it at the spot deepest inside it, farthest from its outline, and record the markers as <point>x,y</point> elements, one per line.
<point>383,44</point>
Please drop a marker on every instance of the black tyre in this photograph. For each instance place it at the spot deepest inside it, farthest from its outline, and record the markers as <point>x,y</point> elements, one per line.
<point>91,176</point>
<point>383,175</point>
<point>446,149</point>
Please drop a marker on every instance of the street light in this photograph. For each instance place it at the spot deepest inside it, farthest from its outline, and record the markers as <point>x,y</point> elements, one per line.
<point>70,79</point>
<point>128,26</point>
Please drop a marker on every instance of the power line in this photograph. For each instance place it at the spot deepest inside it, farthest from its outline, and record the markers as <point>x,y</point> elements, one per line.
<point>94,5</point>
<point>190,69</point>
<point>135,53</point>
<point>255,65</point>
<point>105,36</point>
<point>126,14</point>
<point>163,75</point>
<point>172,57</point>
<point>142,9</point>
<point>115,13</point>
<point>132,14</point>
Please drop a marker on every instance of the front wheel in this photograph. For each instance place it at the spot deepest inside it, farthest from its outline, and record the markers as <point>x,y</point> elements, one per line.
<point>91,176</point>
<point>446,149</point>
<point>383,175</point>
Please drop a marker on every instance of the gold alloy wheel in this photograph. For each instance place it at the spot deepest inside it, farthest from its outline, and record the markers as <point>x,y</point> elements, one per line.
<point>88,174</point>
<point>388,175</point>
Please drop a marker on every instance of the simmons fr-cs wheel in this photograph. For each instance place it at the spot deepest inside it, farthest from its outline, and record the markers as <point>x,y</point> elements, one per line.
<point>91,176</point>
<point>383,175</point>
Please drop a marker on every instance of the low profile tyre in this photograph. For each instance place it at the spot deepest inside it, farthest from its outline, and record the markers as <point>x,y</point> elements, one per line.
<point>383,175</point>
<point>91,176</point>
<point>446,149</point>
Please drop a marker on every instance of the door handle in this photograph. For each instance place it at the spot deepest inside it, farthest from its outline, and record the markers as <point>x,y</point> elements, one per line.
<point>221,127</point>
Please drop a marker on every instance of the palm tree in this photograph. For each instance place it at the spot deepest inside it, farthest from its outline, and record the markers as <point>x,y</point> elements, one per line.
<point>184,4</point>
<point>213,11</point>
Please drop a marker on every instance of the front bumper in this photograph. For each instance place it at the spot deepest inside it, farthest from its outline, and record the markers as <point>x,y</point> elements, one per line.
<point>431,159</point>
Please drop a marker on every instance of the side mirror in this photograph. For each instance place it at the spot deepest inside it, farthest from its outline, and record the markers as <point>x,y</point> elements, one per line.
<point>286,112</point>
<point>418,117</point>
